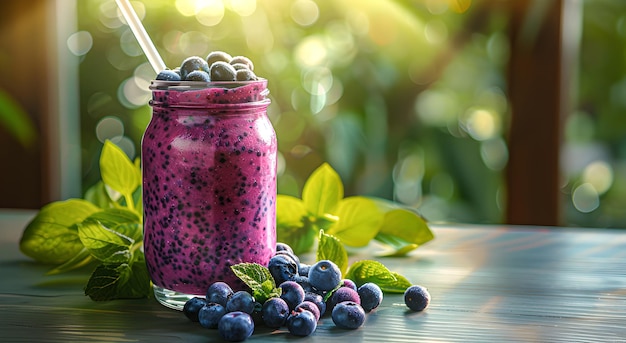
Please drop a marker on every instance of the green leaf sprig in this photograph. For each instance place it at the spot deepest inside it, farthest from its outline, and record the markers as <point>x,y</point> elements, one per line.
<point>355,221</point>
<point>105,230</point>
<point>263,285</point>
<point>259,279</point>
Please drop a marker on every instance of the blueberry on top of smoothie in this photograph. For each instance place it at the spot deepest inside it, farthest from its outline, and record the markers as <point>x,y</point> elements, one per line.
<point>193,63</point>
<point>222,71</point>
<point>168,75</point>
<point>242,60</point>
<point>245,75</point>
<point>198,75</point>
<point>215,56</point>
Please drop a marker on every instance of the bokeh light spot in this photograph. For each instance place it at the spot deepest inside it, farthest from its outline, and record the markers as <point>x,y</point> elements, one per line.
<point>317,81</point>
<point>436,107</point>
<point>109,15</point>
<point>133,92</point>
<point>407,178</point>
<point>129,44</point>
<point>80,43</point>
<point>585,198</point>
<point>109,127</point>
<point>311,52</point>
<point>436,31</point>
<point>126,144</point>
<point>304,12</point>
<point>481,124</point>
<point>210,13</point>
<point>193,43</point>
<point>186,7</point>
<point>599,174</point>
<point>494,153</point>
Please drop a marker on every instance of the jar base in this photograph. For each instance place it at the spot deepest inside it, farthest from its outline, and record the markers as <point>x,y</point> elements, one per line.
<point>172,299</point>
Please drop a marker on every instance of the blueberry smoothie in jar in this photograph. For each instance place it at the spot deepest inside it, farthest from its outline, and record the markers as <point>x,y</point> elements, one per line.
<point>209,184</point>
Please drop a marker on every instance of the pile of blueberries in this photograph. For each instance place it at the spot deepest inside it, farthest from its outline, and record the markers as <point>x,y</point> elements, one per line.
<point>308,292</point>
<point>217,66</point>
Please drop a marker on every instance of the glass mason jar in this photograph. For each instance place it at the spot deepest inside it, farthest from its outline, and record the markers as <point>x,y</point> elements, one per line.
<point>209,185</point>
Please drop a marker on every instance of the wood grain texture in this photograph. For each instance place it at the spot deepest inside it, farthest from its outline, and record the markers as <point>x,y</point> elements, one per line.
<point>488,284</point>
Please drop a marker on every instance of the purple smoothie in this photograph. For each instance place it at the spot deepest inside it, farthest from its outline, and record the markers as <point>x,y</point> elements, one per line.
<point>209,183</point>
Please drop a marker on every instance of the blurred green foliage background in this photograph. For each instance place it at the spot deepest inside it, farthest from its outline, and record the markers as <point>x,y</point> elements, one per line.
<point>406,99</point>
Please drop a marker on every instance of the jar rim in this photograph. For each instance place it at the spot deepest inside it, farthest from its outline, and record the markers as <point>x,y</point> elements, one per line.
<point>197,85</point>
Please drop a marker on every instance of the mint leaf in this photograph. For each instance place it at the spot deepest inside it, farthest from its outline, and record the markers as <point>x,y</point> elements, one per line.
<point>359,221</point>
<point>330,248</point>
<point>289,210</point>
<point>258,278</point>
<point>52,236</point>
<point>118,171</point>
<point>322,191</point>
<point>292,225</point>
<point>402,229</point>
<point>98,195</point>
<point>121,220</point>
<point>365,271</point>
<point>82,258</point>
<point>105,244</point>
<point>299,238</point>
<point>120,281</point>
<point>400,286</point>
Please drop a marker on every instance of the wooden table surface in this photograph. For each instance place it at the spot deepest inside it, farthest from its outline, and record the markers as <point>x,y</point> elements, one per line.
<point>488,284</point>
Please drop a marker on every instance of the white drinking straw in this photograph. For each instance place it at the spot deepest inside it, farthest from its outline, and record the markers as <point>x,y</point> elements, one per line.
<point>142,36</point>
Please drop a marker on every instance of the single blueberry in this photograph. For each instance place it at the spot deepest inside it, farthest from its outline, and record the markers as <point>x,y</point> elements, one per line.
<point>290,254</point>
<point>215,56</point>
<point>240,66</point>
<point>348,283</point>
<point>245,75</point>
<point>317,299</point>
<point>301,323</point>
<point>241,301</point>
<point>283,268</point>
<point>304,282</point>
<point>275,312</point>
<point>371,296</point>
<point>348,315</point>
<point>292,293</point>
<point>417,298</point>
<point>324,275</point>
<point>309,306</point>
<point>168,75</point>
<point>280,246</point>
<point>192,307</point>
<point>222,71</point>
<point>242,60</point>
<point>210,314</point>
<point>191,64</point>
<point>340,295</point>
<point>235,326</point>
<point>198,75</point>
<point>219,292</point>
<point>303,269</point>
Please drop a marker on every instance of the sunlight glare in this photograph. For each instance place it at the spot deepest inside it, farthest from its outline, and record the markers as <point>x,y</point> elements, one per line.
<point>210,13</point>
<point>243,7</point>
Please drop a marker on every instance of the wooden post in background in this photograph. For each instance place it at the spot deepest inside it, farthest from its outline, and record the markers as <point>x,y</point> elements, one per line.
<point>537,93</point>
